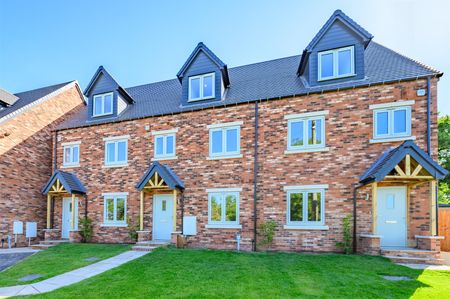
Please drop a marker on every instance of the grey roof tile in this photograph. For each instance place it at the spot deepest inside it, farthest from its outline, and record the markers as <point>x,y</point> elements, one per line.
<point>265,80</point>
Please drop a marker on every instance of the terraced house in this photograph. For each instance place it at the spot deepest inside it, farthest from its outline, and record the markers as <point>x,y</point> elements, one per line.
<point>346,128</point>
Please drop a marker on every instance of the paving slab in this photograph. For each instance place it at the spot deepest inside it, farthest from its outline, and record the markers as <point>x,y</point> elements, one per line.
<point>30,277</point>
<point>426,267</point>
<point>71,277</point>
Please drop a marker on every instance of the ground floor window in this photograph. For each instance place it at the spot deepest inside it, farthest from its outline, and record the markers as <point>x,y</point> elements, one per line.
<point>223,207</point>
<point>115,209</point>
<point>305,206</point>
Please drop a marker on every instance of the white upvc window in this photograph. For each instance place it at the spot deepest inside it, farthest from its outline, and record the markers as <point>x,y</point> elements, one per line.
<point>116,151</point>
<point>165,144</point>
<point>336,63</point>
<point>202,87</point>
<point>392,121</point>
<point>305,207</point>
<point>224,140</point>
<point>102,104</point>
<point>223,208</point>
<point>306,131</point>
<point>71,152</point>
<point>115,209</point>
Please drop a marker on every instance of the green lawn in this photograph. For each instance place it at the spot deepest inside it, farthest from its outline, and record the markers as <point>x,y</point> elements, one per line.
<point>175,273</point>
<point>57,260</point>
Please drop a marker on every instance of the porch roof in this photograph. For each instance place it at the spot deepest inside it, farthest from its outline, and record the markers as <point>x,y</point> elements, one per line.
<point>392,157</point>
<point>165,172</point>
<point>69,182</point>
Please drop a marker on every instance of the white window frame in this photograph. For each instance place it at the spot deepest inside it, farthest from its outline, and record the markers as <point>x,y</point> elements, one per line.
<point>70,146</point>
<point>223,127</point>
<point>116,140</point>
<point>114,196</point>
<point>201,77</point>
<point>390,108</point>
<point>102,96</point>
<point>335,53</point>
<point>223,223</point>
<point>305,224</point>
<point>305,117</point>
<point>165,134</point>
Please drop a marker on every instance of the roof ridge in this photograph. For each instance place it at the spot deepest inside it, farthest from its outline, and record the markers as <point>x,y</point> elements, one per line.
<point>411,59</point>
<point>53,85</point>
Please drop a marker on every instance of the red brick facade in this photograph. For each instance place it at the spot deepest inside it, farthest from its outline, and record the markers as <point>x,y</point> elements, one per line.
<point>26,144</point>
<point>349,126</point>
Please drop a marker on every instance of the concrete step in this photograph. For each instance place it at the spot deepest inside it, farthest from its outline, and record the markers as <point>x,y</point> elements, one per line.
<point>54,242</point>
<point>153,243</point>
<point>410,253</point>
<point>415,260</point>
<point>143,248</point>
<point>41,246</point>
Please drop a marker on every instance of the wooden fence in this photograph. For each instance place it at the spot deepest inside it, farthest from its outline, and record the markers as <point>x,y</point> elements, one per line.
<point>444,227</point>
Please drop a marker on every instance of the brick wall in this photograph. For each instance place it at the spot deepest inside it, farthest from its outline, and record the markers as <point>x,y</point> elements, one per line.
<point>26,155</point>
<point>348,131</point>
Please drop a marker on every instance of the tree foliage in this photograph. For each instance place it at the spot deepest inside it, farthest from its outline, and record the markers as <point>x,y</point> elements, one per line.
<point>444,157</point>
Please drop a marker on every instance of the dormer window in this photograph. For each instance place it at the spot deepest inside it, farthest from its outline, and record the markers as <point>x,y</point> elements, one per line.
<point>337,63</point>
<point>201,87</point>
<point>103,104</point>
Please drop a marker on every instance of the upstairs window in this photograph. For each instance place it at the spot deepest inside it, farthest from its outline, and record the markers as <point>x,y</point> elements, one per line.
<point>392,122</point>
<point>103,104</point>
<point>224,140</point>
<point>336,63</point>
<point>71,154</point>
<point>164,147</point>
<point>116,151</point>
<point>202,87</point>
<point>306,131</point>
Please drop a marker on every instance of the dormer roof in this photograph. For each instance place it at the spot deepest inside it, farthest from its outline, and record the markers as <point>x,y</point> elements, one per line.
<point>102,71</point>
<point>220,64</point>
<point>338,15</point>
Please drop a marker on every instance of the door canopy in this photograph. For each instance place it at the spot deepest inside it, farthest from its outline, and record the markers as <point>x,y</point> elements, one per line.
<point>62,182</point>
<point>406,163</point>
<point>159,176</point>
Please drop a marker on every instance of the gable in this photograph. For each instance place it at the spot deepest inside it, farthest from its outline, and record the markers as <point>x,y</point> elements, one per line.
<point>101,85</point>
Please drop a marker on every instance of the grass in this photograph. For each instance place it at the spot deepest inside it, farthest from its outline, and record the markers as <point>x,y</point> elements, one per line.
<point>169,273</point>
<point>57,260</point>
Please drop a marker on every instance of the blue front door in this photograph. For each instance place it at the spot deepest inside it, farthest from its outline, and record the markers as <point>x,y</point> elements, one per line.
<point>391,220</point>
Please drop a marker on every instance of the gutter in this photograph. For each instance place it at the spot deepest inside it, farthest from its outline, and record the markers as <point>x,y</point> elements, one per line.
<point>255,177</point>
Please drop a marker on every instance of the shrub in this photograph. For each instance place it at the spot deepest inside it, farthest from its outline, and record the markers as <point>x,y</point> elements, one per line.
<point>133,227</point>
<point>346,243</point>
<point>267,231</point>
<point>85,229</point>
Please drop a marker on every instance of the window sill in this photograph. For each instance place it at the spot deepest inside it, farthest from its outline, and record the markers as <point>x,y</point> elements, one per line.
<point>224,226</point>
<point>335,77</point>
<point>392,139</point>
<point>113,225</point>
<point>164,158</point>
<point>224,157</point>
<point>307,150</point>
<point>115,165</point>
<point>70,166</point>
<point>306,227</point>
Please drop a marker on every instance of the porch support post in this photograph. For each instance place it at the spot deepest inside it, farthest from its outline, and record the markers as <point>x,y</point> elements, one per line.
<point>174,210</point>
<point>73,212</point>
<point>141,212</point>
<point>374,208</point>
<point>49,207</point>
<point>433,208</point>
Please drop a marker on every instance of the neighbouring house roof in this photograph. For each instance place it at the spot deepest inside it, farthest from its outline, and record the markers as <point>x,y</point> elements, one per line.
<point>69,181</point>
<point>7,98</point>
<point>165,172</point>
<point>220,64</point>
<point>389,159</point>
<point>28,98</point>
<point>272,79</point>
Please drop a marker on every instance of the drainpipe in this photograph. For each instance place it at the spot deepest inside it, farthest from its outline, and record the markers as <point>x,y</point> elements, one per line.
<point>429,116</point>
<point>255,177</point>
<point>54,151</point>
<point>355,189</point>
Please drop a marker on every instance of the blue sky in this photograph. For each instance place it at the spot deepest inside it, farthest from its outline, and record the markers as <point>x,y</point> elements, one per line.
<point>48,42</point>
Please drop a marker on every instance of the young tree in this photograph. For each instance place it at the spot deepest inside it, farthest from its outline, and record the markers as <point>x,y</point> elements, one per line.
<point>444,157</point>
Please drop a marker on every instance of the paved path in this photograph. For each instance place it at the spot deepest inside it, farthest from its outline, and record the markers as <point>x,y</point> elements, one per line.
<point>9,257</point>
<point>71,277</point>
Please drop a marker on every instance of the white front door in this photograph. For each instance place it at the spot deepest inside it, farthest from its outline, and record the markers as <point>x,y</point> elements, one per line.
<point>391,220</point>
<point>67,217</point>
<point>162,217</point>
